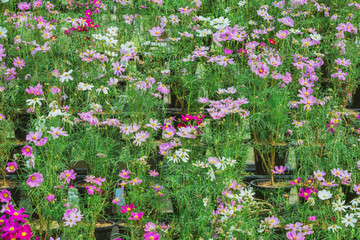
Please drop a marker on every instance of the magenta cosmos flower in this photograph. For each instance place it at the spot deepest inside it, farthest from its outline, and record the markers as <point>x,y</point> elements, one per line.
<point>136,216</point>
<point>68,175</point>
<point>50,197</point>
<point>127,208</point>
<point>151,236</point>
<point>11,167</point>
<point>27,151</point>
<point>24,232</point>
<point>16,215</point>
<point>35,179</point>
<point>5,195</point>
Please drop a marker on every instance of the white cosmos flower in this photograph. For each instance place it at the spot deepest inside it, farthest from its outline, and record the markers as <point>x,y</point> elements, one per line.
<point>349,219</point>
<point>102,89</point>
<point>211,174</point>
<point>56,112</point>
<point>204,33</point>
<point>97,36</point>
<point>315,36</point>
<point>205,200</point>
<point>33,101</point>
<point>65,77</point>
<point>334,227</point>
<point>339,206</point>
<point>84,86</point>
<point>95,106</point>
<point>3,32</point>
<point>355,202</point>
<point>323,194</point>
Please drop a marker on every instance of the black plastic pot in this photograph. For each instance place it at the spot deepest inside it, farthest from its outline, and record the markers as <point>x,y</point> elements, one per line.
<point>348,192</point>
<point>263,192</point>
<point>123,229</point>
<point>104,233</point>
<point>355,100</point>
<point>281,158</point>
<point>23,121</point>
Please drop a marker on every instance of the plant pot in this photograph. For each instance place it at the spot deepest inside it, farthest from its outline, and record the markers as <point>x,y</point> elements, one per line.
<point>103,230</point>
<point>23,121</point>
<point>123,229</point>
<point>80,168</point>
<point>348,192</point>
<point>262,190</point>
<point>281,158</point>
<point>355,100</point>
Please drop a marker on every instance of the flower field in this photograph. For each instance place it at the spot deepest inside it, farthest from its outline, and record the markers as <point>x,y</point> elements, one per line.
<point>179,119</point>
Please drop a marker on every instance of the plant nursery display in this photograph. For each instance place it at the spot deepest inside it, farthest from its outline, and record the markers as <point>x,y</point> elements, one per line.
<point>179,119</point>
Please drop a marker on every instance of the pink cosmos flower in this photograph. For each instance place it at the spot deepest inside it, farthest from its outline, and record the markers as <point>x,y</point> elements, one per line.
<point>296,181</point>
<point>278,170</point>
<point>228,51</point>
<point>305,193</point>
<point>136,216</point>
<point>116,201</point>
<point>35,180</point>
<point>150,227</point>
<point>356,188</point>
<point>68,175</point>
<point>33,137</point>
<point>312,218</point>
<point>20,63</point>
<point>27,151</point>
<point>153,173</point>
<point>50,197</point>
<point>151,236</point>
<point>124,174</point>
<point>156,31</point>
<point>5,195</point>
<point>91,189</point>
<point>56,132</point>
<point>272,221</point>
<point>295,236</point>
<point>319,175</point>
<point>135,181</point>
<point>11,167</point>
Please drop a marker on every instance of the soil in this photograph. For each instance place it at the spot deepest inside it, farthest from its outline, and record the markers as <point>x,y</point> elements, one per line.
<point>244,184</point>
<point>36,224</point>
<point>276,184</point>
<point>83,184</point>
<point>105,224</point>
<point>8,184</point>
